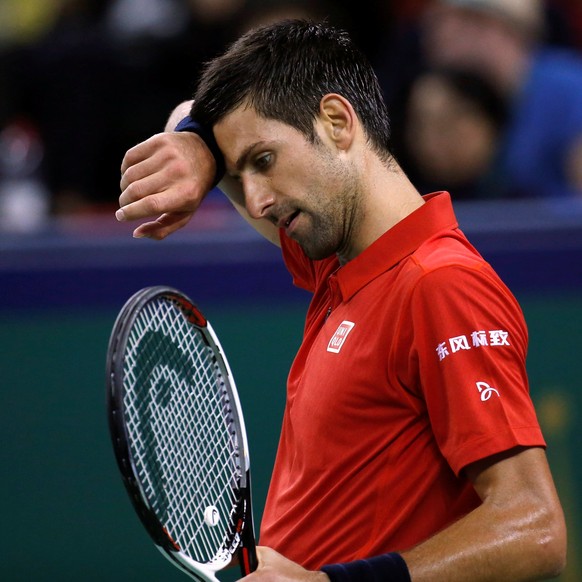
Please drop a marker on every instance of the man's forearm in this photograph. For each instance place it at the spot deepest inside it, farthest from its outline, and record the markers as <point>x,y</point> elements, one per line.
<point>179,112</point>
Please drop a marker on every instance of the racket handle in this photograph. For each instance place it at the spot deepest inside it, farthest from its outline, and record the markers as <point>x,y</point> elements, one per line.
<point>247,554</point>
<point>248,558</point>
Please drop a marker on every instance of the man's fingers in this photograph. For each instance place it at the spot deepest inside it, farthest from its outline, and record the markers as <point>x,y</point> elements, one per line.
<point>167,176</point>
<point>139,189</point>
<point>159,164</point>
<point>152,205</point>
<point>142,151</point>
<point>134,173</point>
<point>163,226</point>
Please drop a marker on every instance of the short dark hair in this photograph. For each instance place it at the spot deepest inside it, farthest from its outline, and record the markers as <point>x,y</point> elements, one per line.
<point>284,69</point>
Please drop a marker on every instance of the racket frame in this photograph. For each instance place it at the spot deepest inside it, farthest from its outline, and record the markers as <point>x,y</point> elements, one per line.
<point>243,545</point>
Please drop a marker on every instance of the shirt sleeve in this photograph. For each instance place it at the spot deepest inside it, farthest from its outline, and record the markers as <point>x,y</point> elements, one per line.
<point>470,342</point>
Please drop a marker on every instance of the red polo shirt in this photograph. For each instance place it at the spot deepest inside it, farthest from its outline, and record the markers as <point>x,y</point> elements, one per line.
<point>412,366</point>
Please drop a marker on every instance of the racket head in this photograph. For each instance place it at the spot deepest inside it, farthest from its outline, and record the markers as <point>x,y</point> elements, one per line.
<point>178,433</point>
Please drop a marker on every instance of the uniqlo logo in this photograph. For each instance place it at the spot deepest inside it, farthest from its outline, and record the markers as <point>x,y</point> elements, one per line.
<point>339,337</point>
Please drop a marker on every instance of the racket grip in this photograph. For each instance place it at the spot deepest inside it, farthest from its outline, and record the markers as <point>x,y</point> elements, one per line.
<point>247,554</point>
<point>248,558</point>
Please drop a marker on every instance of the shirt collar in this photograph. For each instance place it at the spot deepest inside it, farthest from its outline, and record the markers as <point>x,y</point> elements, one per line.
<point>398,242</point>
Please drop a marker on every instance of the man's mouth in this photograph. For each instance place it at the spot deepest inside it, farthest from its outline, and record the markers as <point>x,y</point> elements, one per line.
<point>285,223</point>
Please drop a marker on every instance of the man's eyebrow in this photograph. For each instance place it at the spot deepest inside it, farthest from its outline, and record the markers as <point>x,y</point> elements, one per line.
<point>242,159</point>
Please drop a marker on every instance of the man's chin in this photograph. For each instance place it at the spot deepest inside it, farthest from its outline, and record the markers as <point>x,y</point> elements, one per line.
<point>316,253</point>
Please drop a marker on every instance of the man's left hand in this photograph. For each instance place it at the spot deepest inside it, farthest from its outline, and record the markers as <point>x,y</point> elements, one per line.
<point>273,567</point>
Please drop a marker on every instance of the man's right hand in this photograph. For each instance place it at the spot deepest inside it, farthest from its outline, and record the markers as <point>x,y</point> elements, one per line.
<point>164,178</point>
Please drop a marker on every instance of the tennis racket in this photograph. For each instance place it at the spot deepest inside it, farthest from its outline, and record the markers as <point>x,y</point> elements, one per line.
<point>178,433</point>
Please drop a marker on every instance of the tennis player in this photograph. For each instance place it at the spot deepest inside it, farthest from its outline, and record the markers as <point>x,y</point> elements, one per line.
<point>410,448</point>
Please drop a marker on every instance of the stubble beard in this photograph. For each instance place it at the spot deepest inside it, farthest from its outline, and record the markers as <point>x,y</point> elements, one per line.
<point>333,218</point>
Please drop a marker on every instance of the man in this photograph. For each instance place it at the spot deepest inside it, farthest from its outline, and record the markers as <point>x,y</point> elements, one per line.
<point>409,449</point>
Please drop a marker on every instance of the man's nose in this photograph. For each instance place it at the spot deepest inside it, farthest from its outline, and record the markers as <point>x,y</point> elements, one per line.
<point>258,197</point>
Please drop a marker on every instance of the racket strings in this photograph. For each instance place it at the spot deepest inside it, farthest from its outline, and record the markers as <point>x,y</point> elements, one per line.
<point>183,437</point>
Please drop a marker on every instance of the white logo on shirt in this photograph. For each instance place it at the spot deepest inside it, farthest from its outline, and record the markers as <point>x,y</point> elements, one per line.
<point>486,391</point>
<point>339,337</point>
<point>476,339</point>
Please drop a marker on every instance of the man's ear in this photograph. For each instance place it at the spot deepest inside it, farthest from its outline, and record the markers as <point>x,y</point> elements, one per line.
<point>338,120</point>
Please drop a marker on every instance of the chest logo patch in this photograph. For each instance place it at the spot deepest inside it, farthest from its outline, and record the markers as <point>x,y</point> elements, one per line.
<point>339,337</point>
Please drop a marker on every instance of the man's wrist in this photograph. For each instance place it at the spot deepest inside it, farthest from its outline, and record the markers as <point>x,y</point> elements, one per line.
<point>190,125</point>
<point>383,568</point>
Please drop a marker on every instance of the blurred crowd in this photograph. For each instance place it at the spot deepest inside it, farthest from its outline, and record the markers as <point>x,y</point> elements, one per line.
<point>485,96</point>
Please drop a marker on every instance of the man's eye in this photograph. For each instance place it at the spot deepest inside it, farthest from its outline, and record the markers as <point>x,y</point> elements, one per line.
<point>263,162</point>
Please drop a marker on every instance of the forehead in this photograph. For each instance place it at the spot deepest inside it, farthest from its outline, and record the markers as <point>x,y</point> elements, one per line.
<point>243,126</point>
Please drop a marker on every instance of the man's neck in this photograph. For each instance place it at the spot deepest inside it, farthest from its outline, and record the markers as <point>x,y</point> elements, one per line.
<point>388,198</point>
